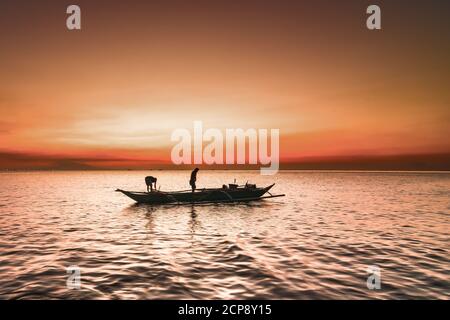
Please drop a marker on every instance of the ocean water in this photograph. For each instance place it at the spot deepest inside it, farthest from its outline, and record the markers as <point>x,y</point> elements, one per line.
<point>315,243</point>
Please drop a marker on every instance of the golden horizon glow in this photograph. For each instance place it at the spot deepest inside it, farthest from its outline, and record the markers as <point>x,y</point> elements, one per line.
<point>117,88</point>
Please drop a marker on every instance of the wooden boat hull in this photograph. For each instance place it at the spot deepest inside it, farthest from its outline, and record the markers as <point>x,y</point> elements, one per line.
<point>199,196</point>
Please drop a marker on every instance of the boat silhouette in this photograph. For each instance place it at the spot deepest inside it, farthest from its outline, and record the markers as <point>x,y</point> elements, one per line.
<point>230,193</point>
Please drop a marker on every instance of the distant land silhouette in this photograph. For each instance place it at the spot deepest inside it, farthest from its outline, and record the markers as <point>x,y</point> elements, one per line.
<point>411,162</point>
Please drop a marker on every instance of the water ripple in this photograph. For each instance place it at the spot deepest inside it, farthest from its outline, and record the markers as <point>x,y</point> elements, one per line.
<point>314,244</point>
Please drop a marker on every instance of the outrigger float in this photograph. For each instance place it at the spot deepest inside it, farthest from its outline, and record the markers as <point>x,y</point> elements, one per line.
<point>230,193</point>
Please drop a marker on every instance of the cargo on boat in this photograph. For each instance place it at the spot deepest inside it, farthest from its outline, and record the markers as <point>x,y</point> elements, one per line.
<point>230,193</point>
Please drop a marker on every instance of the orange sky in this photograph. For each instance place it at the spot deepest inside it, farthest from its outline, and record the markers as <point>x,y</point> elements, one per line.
<point>138,70</point>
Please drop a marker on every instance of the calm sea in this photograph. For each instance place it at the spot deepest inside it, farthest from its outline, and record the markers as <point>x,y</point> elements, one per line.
<point>315,243</point>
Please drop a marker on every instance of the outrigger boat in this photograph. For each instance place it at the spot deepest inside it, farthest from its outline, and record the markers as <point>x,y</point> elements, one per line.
<point>231,193</point>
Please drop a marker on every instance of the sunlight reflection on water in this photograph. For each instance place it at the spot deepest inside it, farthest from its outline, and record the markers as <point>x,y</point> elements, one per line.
<point>315,243</point>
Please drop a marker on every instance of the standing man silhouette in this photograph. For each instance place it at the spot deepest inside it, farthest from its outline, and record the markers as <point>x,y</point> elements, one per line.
<point>193,178</point>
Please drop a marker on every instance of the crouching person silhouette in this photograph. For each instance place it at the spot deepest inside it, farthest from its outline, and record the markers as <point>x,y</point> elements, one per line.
<point>150,182</point>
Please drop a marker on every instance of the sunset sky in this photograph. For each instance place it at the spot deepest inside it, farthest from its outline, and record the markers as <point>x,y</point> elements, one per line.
<point>109,95</point>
